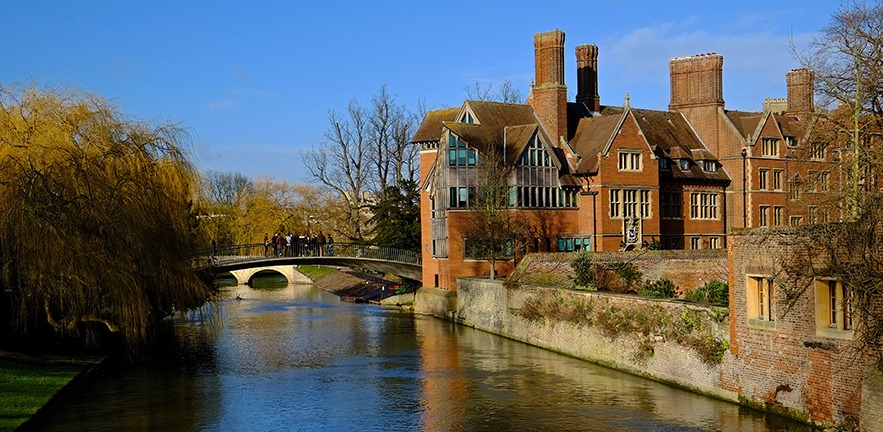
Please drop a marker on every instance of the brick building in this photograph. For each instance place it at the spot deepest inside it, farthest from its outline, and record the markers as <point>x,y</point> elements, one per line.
<point>796,355</point>
<point>589,176</point>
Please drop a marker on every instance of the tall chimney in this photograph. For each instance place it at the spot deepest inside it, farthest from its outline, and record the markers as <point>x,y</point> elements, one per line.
<point>800,91</point>
<point>549,94</point>
<point>697,92</point>
<point>587,76</point>
<point>697,81</point>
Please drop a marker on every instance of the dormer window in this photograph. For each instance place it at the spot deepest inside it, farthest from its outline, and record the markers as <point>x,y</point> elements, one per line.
<point>467,118</point>
<point>791,141</point>
<point>684,164</point>
<point>709,166</point>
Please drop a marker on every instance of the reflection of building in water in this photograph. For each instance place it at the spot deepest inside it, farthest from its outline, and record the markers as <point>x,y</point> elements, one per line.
<point>444,386</point>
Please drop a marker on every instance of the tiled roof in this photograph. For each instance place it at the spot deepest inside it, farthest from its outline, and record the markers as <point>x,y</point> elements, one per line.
<point>669,134</point>
<point>516,140</point>
<point>498,122</point>
<point>592,135</point>
<point>794,125</point>
<point>745,122</point>
<point>431,128</point>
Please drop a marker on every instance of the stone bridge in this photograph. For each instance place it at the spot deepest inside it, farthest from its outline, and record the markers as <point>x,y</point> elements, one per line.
<point>244,261</point>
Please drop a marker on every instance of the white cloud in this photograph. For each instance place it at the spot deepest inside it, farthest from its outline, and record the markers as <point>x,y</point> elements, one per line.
<point>222,105</point>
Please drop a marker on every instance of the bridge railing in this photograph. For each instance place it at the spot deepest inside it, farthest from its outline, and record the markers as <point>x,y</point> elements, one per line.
<point>307,249</point>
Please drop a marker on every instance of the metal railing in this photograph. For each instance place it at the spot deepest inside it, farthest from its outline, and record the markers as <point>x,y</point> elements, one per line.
<point>254,251</point>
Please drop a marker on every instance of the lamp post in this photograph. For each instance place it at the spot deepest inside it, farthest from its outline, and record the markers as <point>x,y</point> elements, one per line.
<point>744,190</point>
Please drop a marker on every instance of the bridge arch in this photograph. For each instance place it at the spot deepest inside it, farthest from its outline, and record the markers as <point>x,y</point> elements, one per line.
<point>244,276</point>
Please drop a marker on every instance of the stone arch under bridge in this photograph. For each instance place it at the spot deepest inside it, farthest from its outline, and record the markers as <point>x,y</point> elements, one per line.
<point>290,272</point>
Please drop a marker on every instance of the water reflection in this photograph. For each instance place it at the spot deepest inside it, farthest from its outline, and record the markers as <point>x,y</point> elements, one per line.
<point>296,358</point>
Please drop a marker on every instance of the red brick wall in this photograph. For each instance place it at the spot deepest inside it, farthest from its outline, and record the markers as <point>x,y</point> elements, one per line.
<point>787,366</point>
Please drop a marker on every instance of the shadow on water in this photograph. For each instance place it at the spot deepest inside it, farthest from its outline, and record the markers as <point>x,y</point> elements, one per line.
<point>225,280</point>
<point>268,280</point>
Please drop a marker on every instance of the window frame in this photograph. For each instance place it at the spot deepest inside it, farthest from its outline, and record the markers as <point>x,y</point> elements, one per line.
<point>630,160</point>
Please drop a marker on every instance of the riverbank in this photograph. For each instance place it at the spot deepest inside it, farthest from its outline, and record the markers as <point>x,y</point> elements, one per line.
<point>31,386</point>
<point>348,284</point>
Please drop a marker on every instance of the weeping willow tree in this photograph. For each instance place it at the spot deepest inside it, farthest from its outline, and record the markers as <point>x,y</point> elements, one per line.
<point>95,222</point>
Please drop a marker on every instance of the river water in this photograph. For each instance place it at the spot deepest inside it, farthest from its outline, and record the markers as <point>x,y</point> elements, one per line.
<point>296,358</point>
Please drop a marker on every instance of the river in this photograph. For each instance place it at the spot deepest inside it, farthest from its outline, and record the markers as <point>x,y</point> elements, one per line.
<point>296,358</point>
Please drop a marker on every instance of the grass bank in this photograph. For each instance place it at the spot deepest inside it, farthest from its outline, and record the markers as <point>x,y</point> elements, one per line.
<point>314,272</point>
<point>27,387</point>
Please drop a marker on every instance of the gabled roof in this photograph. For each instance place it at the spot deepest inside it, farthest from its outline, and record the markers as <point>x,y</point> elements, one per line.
<point>669,134</point>
<point>795,125</point>
<point>591,137</point>
<point>749,124</point>
<point>517,138</point>
<point>744,122</point>
<point>501,124</point>
<point>431,128</point>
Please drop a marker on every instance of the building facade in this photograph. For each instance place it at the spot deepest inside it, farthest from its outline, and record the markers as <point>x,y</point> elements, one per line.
<point>583,175</point>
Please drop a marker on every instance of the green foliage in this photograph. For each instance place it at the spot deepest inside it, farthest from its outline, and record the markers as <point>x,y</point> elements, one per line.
<point>583,269</point>
<point>711,349</point>
<point>715,292</point>
<point>646,323</point>
<point>655,245</point>
<point>96,222</point>
<point>396,217</point>
<point>630,274</point>
<point>691,320</point>
<point>660,288</point>
<point>616,277</point>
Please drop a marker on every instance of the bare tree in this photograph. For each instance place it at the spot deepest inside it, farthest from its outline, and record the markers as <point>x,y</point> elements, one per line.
<point>366,152</point>
<point>342,164</point>
<point>505,92</point>
<point>848,64</point>
<point>406,156</point>
<point>491,226</point>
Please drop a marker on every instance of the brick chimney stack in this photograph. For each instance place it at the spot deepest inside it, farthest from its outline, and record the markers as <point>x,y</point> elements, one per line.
<point>549,94</point>
<point>800,91</point>
<point>587,76</point>
<point>697,92</point>
<point>697,81</point>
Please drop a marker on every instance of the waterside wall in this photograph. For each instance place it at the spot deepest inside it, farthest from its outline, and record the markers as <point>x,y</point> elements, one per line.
<point>676,342</point>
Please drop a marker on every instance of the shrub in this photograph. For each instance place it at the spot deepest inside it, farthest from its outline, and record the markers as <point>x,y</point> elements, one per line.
<point>660,288</point>
<point>583,269</point>
<point>628,272</point>
<point>716,292</point>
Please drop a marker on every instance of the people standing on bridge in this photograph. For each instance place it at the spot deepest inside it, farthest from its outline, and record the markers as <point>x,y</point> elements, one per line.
<point>321,244</point>
<point>330,245</point>
<point>273,243</point>
<point>266,244</point>
<point>280,244</point>
<point>288,244</point>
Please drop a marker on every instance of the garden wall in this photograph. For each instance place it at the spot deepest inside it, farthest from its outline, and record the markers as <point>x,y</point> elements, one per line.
<point>687,269</point>
<point>670,341</point>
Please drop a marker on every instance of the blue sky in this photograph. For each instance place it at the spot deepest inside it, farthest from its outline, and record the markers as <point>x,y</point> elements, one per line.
<point>253,82</point>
